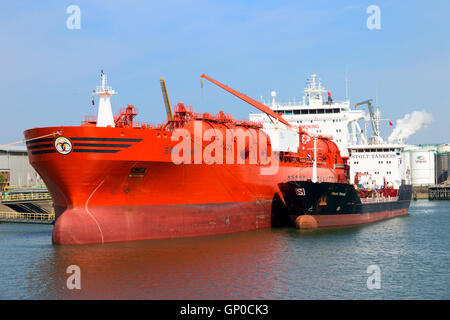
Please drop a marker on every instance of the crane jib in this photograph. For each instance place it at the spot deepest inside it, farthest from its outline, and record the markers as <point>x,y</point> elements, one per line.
<point>249,100</point>
<point>166,99</point>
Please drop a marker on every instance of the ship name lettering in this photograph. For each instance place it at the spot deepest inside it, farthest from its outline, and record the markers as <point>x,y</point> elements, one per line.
<point>172,150</point>
<point>377,156</point>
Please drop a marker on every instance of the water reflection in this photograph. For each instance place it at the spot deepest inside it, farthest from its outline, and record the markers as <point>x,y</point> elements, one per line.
<point>243,265</point>
<point>412,252</point>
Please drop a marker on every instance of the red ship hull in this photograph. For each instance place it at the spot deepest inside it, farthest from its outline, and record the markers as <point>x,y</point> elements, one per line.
<point>98,197</point>
<point>328,221</point>
<point>78,225</point>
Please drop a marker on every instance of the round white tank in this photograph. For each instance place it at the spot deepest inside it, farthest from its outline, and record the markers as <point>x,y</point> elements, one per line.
<point>423,167</point>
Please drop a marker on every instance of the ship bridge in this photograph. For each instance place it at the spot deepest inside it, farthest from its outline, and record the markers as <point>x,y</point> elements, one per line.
<point>381,162</point>
<point>318,115</point>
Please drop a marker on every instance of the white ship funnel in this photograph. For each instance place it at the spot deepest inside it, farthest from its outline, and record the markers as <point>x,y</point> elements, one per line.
<point>105,116</point>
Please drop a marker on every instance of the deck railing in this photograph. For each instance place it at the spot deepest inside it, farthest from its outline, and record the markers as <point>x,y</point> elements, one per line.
<point>27,216</point>
<point>26,196</point>
<point>378,199</point>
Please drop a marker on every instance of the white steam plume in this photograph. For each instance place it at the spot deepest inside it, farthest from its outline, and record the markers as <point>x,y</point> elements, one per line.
<point>410,124</point>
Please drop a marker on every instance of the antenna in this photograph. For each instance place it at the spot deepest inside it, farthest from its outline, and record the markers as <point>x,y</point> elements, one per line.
<point>273,94</point>
<point>346,85</point>
<point>376,94</point>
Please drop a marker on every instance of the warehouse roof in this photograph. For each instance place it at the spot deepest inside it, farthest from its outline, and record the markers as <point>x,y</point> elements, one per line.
<point>19,148</point>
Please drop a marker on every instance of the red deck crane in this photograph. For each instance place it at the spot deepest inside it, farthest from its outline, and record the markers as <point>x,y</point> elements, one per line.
<point>249,100</point>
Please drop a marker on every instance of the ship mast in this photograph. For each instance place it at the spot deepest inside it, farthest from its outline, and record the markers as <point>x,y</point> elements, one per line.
<point>105,116</point>
<point>314,91</point>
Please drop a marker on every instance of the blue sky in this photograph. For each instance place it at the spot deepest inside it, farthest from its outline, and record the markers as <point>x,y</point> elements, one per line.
<point>48,72</point>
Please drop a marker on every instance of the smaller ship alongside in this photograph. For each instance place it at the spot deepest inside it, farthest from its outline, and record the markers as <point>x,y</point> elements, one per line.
<point>378,187</point>
<point>313,205</point>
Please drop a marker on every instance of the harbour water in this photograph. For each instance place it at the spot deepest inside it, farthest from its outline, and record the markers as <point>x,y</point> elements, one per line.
<point>412,253</point>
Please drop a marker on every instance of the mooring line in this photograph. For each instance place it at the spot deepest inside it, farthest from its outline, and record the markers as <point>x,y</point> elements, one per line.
<point>27,140</point>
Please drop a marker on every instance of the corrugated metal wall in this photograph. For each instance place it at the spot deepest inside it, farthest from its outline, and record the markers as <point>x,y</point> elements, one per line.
<point>22,173</point>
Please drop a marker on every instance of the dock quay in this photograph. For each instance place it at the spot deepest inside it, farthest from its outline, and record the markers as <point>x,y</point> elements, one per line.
<point>420,193</point>
<point>26,204</point>
<point>439,192</point>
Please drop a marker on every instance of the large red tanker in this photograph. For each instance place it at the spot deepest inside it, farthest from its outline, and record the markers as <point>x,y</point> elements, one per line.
<point>122,182</point>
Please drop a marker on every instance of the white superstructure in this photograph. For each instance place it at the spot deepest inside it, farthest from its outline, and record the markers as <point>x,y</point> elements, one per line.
<point>383,163</point>
<point>379,163</point>
<point>374,161</point>
<point>318,116</point>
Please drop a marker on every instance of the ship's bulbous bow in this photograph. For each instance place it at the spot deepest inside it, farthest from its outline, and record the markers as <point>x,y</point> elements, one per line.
<point>76,226</point>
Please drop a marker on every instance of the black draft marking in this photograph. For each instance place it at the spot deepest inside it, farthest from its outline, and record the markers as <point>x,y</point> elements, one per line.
<point>111,145</point>
<point>96,150</point>
<point>39,140</point>
<point>106,139</point>
<point>40,146</point>
<point>43,151</point>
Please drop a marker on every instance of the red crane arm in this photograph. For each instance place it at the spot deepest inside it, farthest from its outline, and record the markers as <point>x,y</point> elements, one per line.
<point>249,100</point>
